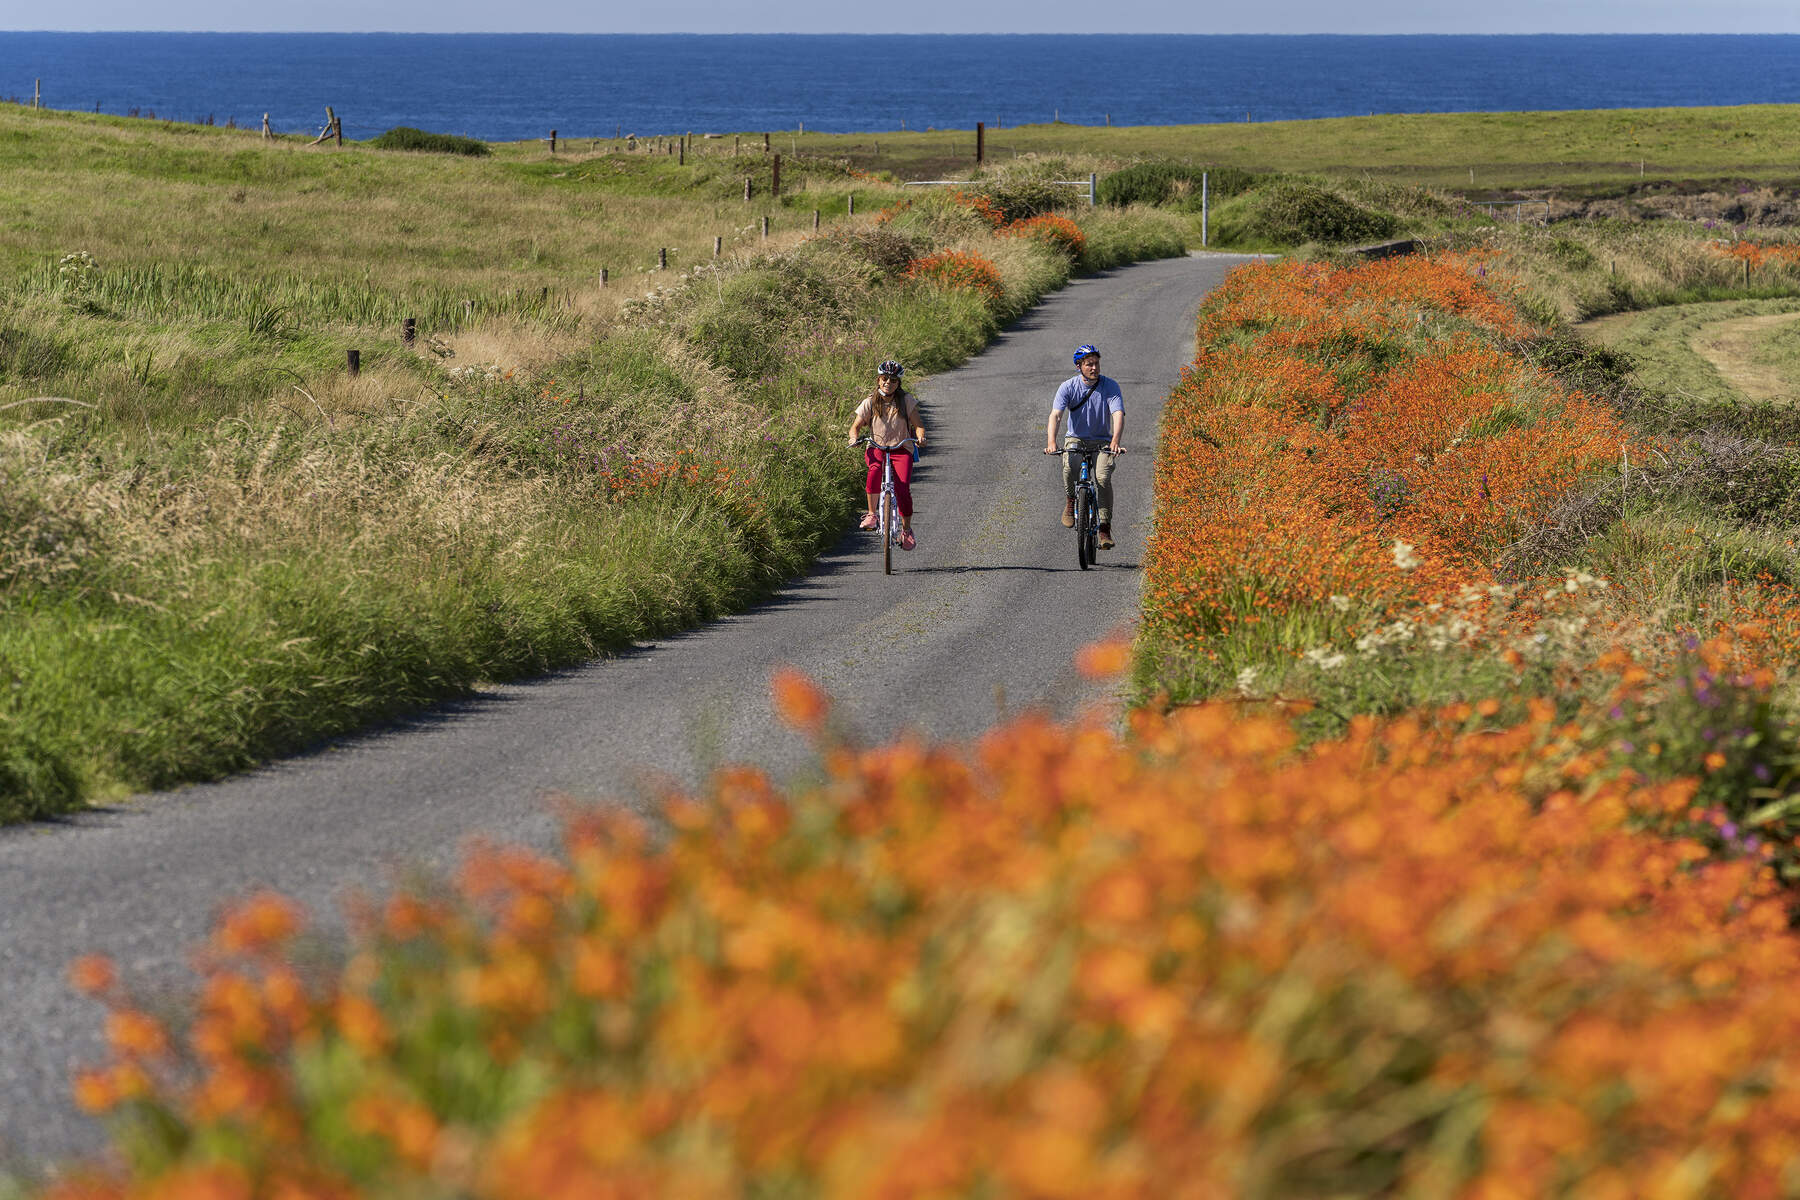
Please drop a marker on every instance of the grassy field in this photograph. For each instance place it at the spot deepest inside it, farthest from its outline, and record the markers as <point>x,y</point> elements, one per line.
<point>217,545</point>
<point>1602,151</point>
<point>1722,353</point>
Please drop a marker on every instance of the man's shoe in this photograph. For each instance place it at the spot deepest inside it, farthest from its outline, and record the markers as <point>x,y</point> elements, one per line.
<point>907,540</point>
<point>1069,513</point>
<point>1106,542</point>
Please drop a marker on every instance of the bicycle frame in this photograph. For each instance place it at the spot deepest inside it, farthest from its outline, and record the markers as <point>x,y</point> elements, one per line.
<point>887,503</point>
<point>1087,507</point>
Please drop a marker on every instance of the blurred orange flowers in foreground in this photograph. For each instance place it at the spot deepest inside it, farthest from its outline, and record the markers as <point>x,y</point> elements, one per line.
<point>1192,962</point>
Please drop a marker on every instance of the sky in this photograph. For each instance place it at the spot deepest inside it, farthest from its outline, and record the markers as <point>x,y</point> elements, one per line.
<point>913,16</point>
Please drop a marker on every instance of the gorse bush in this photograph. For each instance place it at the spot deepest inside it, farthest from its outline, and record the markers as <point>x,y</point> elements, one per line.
<point>1171,183</point>
<point>405,137</point>
<point>1293,213</point>
<point>1021,197</point>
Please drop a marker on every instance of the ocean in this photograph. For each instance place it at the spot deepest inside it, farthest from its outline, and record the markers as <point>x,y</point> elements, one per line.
<point>503,87</point>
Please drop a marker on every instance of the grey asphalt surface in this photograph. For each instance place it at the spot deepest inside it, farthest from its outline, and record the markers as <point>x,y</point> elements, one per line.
<point>986,614</point>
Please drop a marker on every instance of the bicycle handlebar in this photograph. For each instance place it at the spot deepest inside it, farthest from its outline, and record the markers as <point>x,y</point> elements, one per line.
<point>900,445</point>
<point>1102,450</point>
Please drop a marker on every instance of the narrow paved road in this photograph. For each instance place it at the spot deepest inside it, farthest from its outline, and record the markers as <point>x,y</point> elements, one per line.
<point>986,612</point>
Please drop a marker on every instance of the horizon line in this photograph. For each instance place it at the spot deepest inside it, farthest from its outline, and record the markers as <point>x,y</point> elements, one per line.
<point>926,33</point>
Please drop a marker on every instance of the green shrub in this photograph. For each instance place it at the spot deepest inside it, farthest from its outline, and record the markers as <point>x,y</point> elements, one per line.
<point>1021,197</point>
<point>1400,199</point>
<point>35,781</point>
<point>405,137</point>
<point>1296,213</point>
<point>1171,183</point>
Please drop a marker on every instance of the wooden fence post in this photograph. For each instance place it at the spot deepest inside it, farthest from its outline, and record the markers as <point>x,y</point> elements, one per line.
<point>553,141</point>
<point>681,159</point>
<point>980,142</point>
<point>1204,213</point>
<point>409,329</point>
<point>337,126</point>
<point>602,276</point>
<point>765,225</point>
<point>662,259</point>
<point>718,245</point>
<point>746,189</point>
<point>765,143</point>
<point>775,179</point>
<point>353,359</point>
<point>815,220</point>
<point>37,93</point>
<point>850,205</point>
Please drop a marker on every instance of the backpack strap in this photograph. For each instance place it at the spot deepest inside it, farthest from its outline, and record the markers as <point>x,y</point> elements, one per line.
<point>1085,397</point>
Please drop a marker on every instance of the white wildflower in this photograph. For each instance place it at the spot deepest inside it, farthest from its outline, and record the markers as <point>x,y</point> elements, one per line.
<point>1325,658</point>
<point>1246,680</point>
<point>1341,603</point>
<point>1404,555</point>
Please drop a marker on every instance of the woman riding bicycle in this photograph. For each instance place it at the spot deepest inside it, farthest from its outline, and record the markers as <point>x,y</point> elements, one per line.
<point>888,412</point>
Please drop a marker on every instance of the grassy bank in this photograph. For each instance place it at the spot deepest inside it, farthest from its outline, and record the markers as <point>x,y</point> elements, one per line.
<point>216,545</point>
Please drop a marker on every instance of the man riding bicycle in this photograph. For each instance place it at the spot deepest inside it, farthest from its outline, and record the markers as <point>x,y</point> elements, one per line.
<point>1096,409</point>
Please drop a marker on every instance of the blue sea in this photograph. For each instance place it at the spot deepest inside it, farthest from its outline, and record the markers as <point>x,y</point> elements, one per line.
<point>515,86</point>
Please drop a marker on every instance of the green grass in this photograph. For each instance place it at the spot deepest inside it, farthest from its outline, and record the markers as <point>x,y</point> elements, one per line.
<point>1575,152</point>
<point>1722,353</point>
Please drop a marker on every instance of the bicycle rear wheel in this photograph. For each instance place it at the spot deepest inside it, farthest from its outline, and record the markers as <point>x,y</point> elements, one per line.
<point>1084,518</point>
<point>887,532</point>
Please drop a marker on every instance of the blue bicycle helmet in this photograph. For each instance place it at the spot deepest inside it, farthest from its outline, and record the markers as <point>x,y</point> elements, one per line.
<point>1082,352</point>
<point>890,367</point>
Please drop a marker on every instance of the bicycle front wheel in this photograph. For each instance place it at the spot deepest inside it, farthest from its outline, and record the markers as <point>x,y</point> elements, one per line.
<point>1084,519</point>
<point>888,522</point>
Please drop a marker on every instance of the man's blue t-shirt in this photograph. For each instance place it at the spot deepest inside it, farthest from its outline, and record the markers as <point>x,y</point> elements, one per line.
<point>1094,418</point>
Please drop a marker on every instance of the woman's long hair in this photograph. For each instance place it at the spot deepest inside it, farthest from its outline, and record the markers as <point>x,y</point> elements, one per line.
<point>879,404</point>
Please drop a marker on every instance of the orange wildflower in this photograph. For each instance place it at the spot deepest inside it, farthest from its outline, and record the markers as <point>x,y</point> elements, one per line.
<point>798,701</point>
